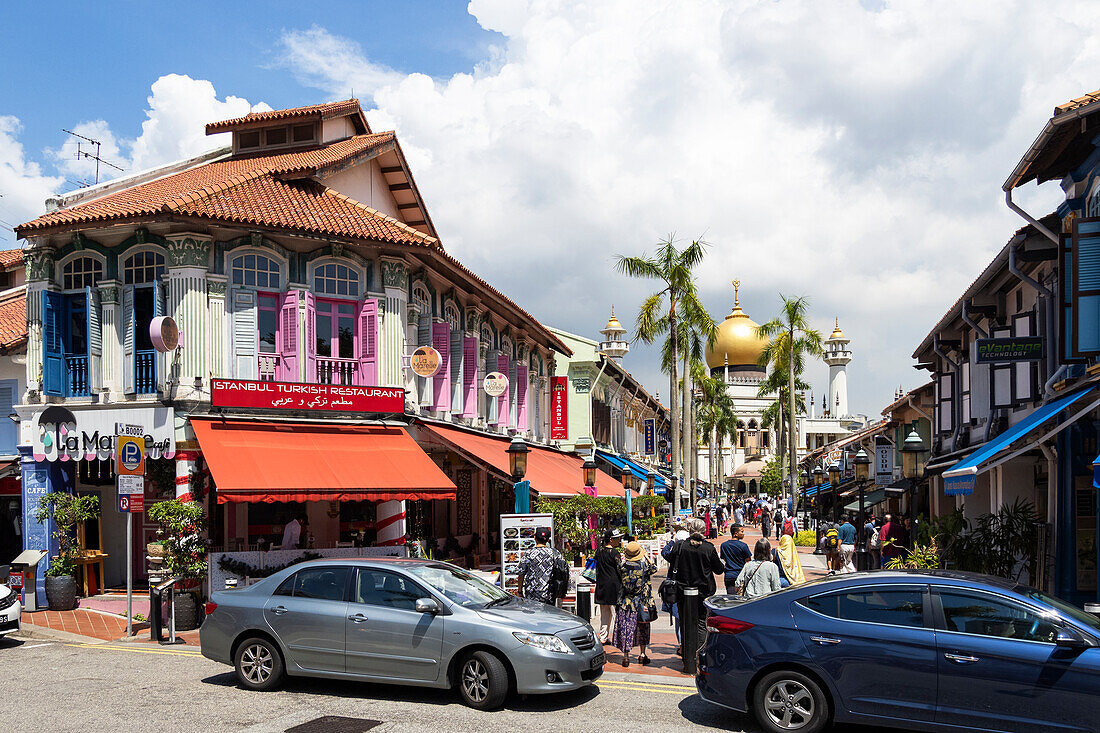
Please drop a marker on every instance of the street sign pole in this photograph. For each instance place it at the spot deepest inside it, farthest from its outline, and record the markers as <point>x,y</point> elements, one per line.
<point>129,574</point>
<point>130,480</point>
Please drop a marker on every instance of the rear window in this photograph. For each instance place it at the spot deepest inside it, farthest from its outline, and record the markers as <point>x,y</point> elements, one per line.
<point>325,584</point>
<point>895,607</point>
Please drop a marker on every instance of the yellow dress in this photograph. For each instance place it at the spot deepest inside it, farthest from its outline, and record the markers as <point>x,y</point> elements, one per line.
<point>788,555</point>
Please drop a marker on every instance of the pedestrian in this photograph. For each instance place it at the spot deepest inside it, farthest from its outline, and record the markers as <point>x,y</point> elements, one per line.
<point>829,537</point>
<point>848,534</point>
<point>720,514</point>
<point>706,522</point>
<point>635,609</point>
<point>739,514</point>
<point>778,518</point>
<point>734,553</point>
<point>672,608</point>
<point>891,540</point>
<point>608,563</point>
<point>790,506</point>
<point>538,567</point>
<point>765,521</point>
<point>907,540</point>
<point>870,533</point>
<point>292,532</point>
<point>760,576</point>
<point>693,563</point>
<point>789,563</point>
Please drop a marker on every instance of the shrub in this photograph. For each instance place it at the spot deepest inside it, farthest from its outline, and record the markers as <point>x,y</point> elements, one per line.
<point>67,510</point>
<point>805,538</point>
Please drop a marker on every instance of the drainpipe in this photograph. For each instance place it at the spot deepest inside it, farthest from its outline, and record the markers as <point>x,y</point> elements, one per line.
<point>1029,218</point>
<point>1052,483</point>
<point>970,322</point>
<point>919,411</point>
<point>1047,296</point>
<point>954,390</point>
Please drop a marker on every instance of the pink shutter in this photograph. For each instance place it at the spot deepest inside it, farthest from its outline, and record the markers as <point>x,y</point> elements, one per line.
<point>469,376</point>
<point>521,396</point>
<point>287,370</point>
<point>311,339</point>
<point>441,382</point>
<point>368,343</point>
<point>504,416</point>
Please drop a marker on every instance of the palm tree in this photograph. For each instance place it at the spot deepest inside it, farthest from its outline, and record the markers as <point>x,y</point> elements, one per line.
<point>661,313</point>
<point>791,340</point>
<point>717,417</point>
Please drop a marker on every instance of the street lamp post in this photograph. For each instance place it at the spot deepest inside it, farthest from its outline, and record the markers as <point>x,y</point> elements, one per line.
<point>819,481</point>
<point>589,471</point>
<point>911,451</point>
<point>628,476</point>
<point>834,484</point>
<point>863,471</point>
<point>517,462</point>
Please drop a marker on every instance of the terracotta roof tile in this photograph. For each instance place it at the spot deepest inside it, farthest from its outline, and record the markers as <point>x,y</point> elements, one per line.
<point>13,320</point>
<point>10,257</point>
<point>324,111</point>
<point>1077,103</point>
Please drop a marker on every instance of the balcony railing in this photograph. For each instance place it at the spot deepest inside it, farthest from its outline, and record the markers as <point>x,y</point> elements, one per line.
<point>145,372</point>
<point>268,367</point>
<point>76,376</point>
<point>337,371</point>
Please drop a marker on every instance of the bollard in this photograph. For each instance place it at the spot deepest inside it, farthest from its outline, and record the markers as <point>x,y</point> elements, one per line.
<point>584,601</point>
<point>155,596</point>
<point>689,628</point>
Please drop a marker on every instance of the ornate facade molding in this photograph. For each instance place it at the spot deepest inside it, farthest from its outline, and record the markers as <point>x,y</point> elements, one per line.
<point>188,250</point>
<point>216,288</point>
<point>395,274</point>
<point>39,264</point>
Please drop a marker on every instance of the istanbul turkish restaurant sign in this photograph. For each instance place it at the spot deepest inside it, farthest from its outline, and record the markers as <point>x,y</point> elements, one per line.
<point>1016,348</point>
<point>289,396</point>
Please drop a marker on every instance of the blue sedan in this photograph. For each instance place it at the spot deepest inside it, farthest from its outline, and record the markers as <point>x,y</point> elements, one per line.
<point>928,650</point>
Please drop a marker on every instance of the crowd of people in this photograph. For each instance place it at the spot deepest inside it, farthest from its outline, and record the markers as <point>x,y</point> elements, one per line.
<point>885,539</point>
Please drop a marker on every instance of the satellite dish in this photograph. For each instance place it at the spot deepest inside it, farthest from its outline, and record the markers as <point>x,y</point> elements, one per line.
<point>164,333</point>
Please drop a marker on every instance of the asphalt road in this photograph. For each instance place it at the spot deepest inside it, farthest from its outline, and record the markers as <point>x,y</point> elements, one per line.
<point>143,688</point>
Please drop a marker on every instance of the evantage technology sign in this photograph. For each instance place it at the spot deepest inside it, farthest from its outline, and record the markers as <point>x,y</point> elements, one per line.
<point>291,396</point>
<point>61,434</point>
<point>1002,350</point>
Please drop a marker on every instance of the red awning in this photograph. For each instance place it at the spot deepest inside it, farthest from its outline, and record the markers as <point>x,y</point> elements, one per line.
<point>291,462</point>
<point>552,473</point>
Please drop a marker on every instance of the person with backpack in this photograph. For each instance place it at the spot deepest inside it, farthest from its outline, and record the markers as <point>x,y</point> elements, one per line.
<point>543,572</point>
<point>789,529</point>
<point>635,609</point>
<point>778,518</point>
<point>830,544</point>
<point>870,532</point>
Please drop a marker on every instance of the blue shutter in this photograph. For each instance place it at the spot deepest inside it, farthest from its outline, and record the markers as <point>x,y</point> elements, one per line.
<point>1065,313</point>
<point>1086,287</point>
<point>53,357</point>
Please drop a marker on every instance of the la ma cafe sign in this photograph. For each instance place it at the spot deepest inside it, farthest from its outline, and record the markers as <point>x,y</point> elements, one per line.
<point>62,434</point>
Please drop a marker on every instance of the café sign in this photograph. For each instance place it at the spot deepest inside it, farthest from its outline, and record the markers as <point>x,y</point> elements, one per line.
<point>495,384</point>
<point>62,434</point>
<point>425,361</point>
<point>1009,350</point>
<point>293,396</point>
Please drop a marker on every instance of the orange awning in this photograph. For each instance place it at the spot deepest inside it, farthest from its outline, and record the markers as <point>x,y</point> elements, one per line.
<point>552,473</point>
<point>292,462</point>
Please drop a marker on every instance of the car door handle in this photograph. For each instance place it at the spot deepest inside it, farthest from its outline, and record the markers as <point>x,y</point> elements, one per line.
<point>960,658</point>
<point>357,618</point>
<point>279,610</point>
<point>824,640</point>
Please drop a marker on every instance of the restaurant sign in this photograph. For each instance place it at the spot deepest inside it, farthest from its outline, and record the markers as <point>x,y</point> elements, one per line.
<point>1006,350</point>
<point>89,432</point>
<point>559,409</point>
<point>650,436</point>
<point>291,396</point>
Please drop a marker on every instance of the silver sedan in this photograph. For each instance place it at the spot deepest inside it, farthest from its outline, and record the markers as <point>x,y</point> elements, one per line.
<point>416,622</point>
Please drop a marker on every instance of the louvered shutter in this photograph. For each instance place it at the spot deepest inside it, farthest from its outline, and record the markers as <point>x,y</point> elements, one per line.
<point>245,333</point>
<point>521,396</point>
<point>53,350</point>
<point>504,402</point>
<point>95,341</point>
<point>441,382</point>
<point>129,333</point>
<point>469,376</point>
<point>311,339</point>
<point>1086,282</point>
<point>424,338</point>
<point>456,372</point>
<point>491,403</point>
<point>287,339</point>
<point>9,431</point>
<point>368,343</point>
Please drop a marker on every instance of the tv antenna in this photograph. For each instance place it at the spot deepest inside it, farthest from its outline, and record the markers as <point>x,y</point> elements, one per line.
<point>85,154</point>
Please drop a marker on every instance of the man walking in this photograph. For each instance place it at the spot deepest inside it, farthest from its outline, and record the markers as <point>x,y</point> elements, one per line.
<point>541,569</point>
<point>739,514</point>
<point>847,534</point>
<point>766,520</point>
<point>891,540</point>
<point>734,553</point>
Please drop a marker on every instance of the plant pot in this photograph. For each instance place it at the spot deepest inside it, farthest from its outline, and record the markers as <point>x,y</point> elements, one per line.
<point>61,592</point>
<point>186,611</point>
<point>155,549</point>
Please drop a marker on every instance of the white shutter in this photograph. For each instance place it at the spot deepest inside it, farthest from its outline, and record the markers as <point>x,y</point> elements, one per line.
<point>95,341</point>
<point>245,344</point>
<point>128,333</point>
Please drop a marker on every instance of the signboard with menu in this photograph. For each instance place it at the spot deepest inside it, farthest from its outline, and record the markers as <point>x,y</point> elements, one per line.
<point>517,538</point>
<point>559,409</point>
<point>291,396</point>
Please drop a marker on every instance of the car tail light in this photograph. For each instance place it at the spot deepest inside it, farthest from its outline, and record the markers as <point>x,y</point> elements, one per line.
<point>724,625</point>
<point>209,608</point>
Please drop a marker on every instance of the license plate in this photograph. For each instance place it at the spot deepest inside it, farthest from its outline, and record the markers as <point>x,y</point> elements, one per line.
<point>598,660</point>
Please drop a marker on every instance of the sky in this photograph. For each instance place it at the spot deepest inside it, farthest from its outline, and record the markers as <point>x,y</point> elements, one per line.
<point>848,152</point>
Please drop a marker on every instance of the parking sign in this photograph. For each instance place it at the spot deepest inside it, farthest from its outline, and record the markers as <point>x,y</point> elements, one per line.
<point>131,456</point>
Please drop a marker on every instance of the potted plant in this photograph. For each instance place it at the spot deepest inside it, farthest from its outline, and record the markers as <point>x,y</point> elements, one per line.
<point>67,510</point>
<point>184,554</point>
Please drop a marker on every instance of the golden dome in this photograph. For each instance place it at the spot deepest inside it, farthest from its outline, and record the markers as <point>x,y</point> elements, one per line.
<point>837,333</point>
<point>613,323</point>
<point>737,343</point>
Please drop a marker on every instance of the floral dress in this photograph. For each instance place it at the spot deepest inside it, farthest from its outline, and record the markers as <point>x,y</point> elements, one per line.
<point>635,594</point>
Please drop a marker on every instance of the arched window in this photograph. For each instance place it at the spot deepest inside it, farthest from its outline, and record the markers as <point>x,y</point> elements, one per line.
<point>506,346</point>
<point>256,271</point>
<point>422,298</point>
<point>335,279</point>
<point>81,272</point>
<point>452,317</point>
<point>487,337</point>
<point>142,268</point>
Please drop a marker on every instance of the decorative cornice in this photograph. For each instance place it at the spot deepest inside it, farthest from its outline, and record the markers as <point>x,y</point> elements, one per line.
<point>395,274</point>
<point>216,288</point>
<point>188,250</point>
<point>39,264</point>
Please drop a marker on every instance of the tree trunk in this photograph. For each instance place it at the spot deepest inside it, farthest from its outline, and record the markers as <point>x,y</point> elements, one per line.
<point>793,451</point>
<point>689,430</point>
<point>673,413</point>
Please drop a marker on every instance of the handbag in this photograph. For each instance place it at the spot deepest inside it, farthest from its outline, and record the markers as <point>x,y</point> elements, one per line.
<point>648,614</point>
<point>741,587</point>
<point>589,572</point>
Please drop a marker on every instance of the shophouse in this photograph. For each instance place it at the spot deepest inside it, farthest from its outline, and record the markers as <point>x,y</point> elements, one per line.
<point>13,370</point>
<point>303,271</point>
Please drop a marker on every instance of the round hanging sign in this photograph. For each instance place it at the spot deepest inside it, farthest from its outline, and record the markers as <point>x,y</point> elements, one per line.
<point>425,362</point>
<point>495,384</point>
<point>164,333</point>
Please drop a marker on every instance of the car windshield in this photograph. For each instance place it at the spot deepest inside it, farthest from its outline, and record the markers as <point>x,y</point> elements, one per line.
<point>1092,623</point>
<point>458,585</point>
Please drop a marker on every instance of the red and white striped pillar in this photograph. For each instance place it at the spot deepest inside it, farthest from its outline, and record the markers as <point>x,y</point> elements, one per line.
<point>390,523</point>
<point>186,460</point>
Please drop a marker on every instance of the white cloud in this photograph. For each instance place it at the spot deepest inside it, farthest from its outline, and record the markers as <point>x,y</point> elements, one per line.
<point>23,185</point>
<point>849,154</point>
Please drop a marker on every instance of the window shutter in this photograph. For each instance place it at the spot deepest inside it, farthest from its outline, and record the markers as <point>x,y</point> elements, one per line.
<point>160,308</point>
<point>287,338</point>
<point>504,402</point>
<point>245,333</point>
<point>9,431</point>
<point>1065,313</point>
<point>1086,287</point>
<point>521,396</point>
<point>1026,372</point>
<point>491,403</point>
<point>456,372</point>
<point>368,343</point>
<point>310,376</point>
<point>441,382</point>
<point>53,358</point>
<point>95,340</point>
<point>128,339</point>
<point>469,376</point>
<point>424,338</point>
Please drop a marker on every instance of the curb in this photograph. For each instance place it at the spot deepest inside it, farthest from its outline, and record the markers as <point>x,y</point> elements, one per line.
<point>33,631</point>
<point>649,679</point>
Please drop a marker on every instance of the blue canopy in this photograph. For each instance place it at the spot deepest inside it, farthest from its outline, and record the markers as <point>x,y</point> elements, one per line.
<point>959,479</point>
<point>659,484</point>
<point>814,489</point>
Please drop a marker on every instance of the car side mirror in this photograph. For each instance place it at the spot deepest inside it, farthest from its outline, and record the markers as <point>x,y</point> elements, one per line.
<point>1070,639</point>
<point>427,605</point>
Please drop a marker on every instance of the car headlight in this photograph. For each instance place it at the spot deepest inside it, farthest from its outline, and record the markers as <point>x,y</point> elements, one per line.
<point>548,642</point>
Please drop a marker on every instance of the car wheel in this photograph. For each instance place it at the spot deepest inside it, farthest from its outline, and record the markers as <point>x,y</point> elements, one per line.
<point>786,701</point>
<point>483,681</point>
<point>259,664</point>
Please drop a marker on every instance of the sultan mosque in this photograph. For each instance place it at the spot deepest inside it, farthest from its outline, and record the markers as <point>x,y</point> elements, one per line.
<point>734,359</point>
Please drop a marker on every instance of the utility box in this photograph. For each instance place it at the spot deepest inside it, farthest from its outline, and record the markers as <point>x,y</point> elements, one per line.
<point>22,575</point>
